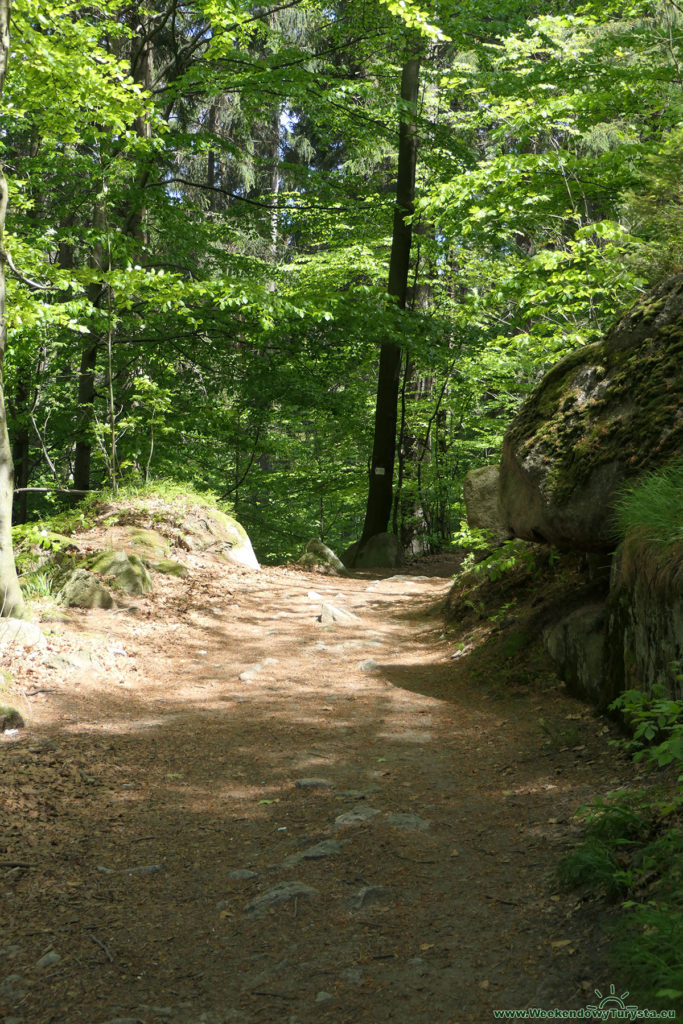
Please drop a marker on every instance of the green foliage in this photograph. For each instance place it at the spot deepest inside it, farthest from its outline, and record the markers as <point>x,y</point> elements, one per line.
<point>656,723</point>
<point>613,826</point>
<point>653,507</point>
<point>632,849</point>
<point>36,584</point>
<point>506,557</point>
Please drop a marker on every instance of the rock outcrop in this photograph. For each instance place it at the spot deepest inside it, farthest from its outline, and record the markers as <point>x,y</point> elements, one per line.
<point>210,531</point>
<point>577,645</point>
<point>317,555</point>
<point>644,629</point>
<point>599,419</point>
<point>383,551</point>
<point>481,491</point>
<point>633,639</point>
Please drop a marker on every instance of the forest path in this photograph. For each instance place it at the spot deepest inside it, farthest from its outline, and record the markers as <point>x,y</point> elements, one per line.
<point>191,839</point>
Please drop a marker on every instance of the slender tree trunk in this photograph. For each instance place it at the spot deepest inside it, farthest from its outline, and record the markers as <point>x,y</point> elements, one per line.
<point>380,488</point>
<point>11,601</point>
<point>275,184</point>
<point>212,163</point>
<point>86,374</point>
<point>142,72</point>
<point>20,448</point>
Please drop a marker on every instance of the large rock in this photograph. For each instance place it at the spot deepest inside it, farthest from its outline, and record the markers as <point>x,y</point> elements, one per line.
<point>317,555</point>
<point>21,632</point>
<point>82,589</point>
<point>127,572</point>
<point>601,417</point>
<point>633,639</point>
<point>214,532</point>
<point>383,551</point>
<point>481,491</point>
<point>645,618</point>
<point>577,645</point>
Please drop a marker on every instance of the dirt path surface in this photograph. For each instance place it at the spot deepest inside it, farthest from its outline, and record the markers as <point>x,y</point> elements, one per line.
<point>222,810</point>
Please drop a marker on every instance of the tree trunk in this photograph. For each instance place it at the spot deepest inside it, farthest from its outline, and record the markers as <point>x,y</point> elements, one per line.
<point>380,488</point>
<point>20,448</point>
<point>142,72</point>
<point>11,601</point>
<point>212,163</point>
<point>86,374</point>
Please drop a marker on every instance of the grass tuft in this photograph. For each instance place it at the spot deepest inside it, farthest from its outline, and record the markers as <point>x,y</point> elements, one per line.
<point>653,507</point>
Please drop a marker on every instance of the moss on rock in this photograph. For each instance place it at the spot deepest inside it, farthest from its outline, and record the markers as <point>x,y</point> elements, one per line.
<point>127,572</point>
<point>600,417</point>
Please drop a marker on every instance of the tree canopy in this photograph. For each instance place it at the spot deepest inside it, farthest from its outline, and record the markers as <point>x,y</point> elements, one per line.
<point>201,203</point>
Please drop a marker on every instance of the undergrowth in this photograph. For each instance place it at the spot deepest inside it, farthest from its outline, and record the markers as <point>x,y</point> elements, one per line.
<point>42,545</point>
<point>632,851</point>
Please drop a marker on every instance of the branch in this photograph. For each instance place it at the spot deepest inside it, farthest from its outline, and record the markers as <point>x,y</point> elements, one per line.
<point>42,444</point>
<point>211,188</point>
<point>241,480</point>
<point>243,199</point>
<point>47,490</point>
<point>6,258</point>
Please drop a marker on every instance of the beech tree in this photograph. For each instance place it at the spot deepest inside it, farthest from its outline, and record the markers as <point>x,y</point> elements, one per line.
<point>10,592</point>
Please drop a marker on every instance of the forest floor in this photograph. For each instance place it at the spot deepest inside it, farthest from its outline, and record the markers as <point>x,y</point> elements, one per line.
<point>223,812</point>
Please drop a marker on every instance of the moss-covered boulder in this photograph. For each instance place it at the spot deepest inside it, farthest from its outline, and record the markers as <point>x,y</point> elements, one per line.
<point>10,718</point>
<point>126,572</point>
<point>317,555</point>
<point>82,589</point>
<point>146,544</point>
<point>600,417</point>
<point>170,567</point>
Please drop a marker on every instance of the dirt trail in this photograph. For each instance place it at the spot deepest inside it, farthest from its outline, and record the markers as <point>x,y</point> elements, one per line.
<point>156,798</point>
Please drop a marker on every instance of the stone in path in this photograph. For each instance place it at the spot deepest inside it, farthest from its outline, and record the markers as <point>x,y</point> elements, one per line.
<point>254,670</point>
<point>356,816</point>
<point>331,615</point>
<point>49,959</point>
<point>283,892</point>
<point>18,631</point>
<point>407,820</point>
<point>367,895</point>
<point>314,784</point>
<point>327,848</point>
